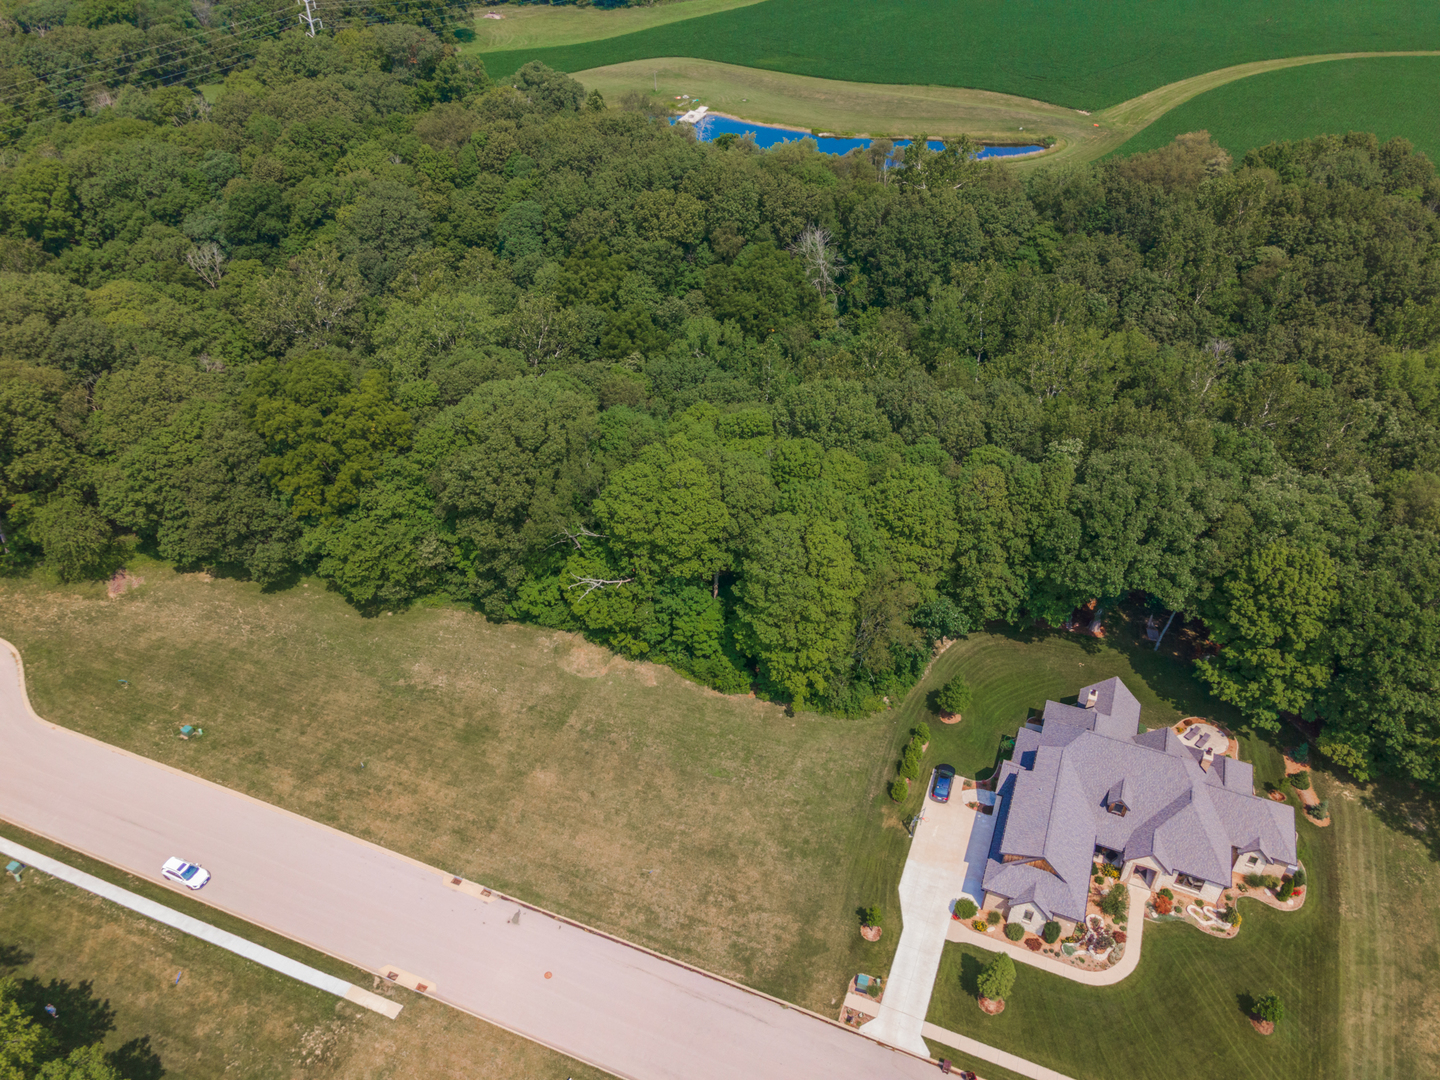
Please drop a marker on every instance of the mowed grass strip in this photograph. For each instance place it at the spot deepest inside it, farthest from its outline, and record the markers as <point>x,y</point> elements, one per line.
<point>227,1016</point>
<point>848,108</point>
<point>1080,56</point>
<point>1390,96</point>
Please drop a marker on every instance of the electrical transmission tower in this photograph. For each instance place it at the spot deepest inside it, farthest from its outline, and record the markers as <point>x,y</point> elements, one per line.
<point>308,17</point>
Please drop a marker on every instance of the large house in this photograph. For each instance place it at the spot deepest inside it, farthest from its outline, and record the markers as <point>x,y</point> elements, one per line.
<point>1085,782</point>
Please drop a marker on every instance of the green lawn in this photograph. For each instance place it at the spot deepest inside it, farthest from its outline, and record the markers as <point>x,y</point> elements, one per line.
<point>111,974</point>
<point>1076,55</point>
<point>1387,95</point>
<point>543,26</point>
<point>717,829</point>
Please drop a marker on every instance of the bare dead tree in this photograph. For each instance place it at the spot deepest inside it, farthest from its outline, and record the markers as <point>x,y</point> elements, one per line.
<point>579,534</point>
<point>823,264</point>
<point>208,262</point>
<point>592,583</point>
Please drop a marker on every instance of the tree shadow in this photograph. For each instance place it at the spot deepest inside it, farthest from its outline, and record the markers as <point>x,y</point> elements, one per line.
<point>1404,807</point>
<point>136,1060</point>
<point>80,1017</point>
<point>1246,1003</point>
<point>970,969</point>
<point>12,957</point>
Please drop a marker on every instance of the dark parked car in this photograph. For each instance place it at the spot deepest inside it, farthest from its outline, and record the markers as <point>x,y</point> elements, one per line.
<point>944,777</point>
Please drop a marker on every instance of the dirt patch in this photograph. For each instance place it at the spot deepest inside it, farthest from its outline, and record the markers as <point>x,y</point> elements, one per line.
<point>1264,1027</point>
<point>123,582</point>
<point>991,1008</point>
<point>950,718</point>
<point>871,933</point>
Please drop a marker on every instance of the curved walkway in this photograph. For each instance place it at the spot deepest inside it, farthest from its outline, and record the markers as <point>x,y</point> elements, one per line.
<point>620,1008</point>
<point>1134,932</point>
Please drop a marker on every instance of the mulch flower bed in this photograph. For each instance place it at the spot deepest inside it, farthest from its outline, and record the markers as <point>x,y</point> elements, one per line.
<point>1264,1027</point>
<point>995,1008</point>
<point>870,933</point>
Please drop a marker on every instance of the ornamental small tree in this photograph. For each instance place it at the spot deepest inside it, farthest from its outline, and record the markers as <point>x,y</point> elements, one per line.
<point>910,763</point>
<point>993,917</point>
<point>1270,1008</point>
<point>1302,753</point>
<point>900,789</point>
<point>1116,902</point>
<point>871,916</point>
<point>1051,933</point>
<point>921,733</point>
<point>1014,931</point>
<point>998,978</point>
<point>1300,781</point>
<point>1298,878</point>
<point>965,908</point>
<point>954,696</point>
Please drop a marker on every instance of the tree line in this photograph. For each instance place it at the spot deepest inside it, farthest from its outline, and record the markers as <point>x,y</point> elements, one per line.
<point>774,418</point>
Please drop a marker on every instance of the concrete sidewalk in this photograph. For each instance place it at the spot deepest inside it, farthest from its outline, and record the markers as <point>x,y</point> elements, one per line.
<point>1134,932</point>
<point>967,1045</point>
<point>934,876</point>
<point>204,931</point>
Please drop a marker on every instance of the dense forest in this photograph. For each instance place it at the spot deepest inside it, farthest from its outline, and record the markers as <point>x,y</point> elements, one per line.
<point>774,418</point>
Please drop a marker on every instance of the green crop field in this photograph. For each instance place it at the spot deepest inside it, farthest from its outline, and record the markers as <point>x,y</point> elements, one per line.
<point>1078,55</point>
<point>1389,96</point>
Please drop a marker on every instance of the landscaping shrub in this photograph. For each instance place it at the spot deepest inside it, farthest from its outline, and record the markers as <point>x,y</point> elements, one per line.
<point>899,789</point>
<point>965,908</point>
<point>1014,931</point>
<point>1120,937</point>
<point>1297,879</point>
<point>1110,870</point>
<point>871,916</point>
<point>1300,781</point>
<point>998,978</point>
<point>1116,902</point>
<point>1320,810</point>
<point>921,733</point>
<point>910,763</point>
<point>979,924</point>
<point>1231,915</point>
<point>1051,933</point>
<point>1033,944</point>
<point>1302,753</point>
<point>1168,895</point>
<point>993,917</point>
<point>954,696</point>
<point>1099,879</point>
<point>1164,905</point>
<point>1270,881</point>
<point>1253,880</point>
<point>1271,1008</point>
<point>1286,890</point>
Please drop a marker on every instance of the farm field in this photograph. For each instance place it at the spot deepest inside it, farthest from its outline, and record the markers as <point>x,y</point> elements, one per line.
<point>1389,96</point>
<point>714,829</point>
<point>1076,56</point>
<point>543,26</point>
<point>114,972</point>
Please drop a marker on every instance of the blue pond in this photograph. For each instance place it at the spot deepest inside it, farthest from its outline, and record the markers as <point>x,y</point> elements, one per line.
<point>767,135</point>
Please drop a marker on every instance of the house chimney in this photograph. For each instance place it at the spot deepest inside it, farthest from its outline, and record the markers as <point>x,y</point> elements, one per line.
<point>1207,757</point>
<point>1094,697</point>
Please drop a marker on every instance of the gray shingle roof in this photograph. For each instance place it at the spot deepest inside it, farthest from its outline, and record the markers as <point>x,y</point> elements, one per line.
<point>1055,792</point>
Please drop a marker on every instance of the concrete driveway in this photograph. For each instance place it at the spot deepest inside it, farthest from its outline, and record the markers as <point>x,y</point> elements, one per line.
<point>595,998</point>
<point>934,876</point>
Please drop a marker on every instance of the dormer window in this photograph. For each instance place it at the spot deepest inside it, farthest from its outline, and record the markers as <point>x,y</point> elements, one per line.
<point>1118,808</point>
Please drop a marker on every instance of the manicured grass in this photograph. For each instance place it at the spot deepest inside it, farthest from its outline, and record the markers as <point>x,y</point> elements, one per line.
<point>1390,96</point>
<point>542,26</point>
<point>227,1016</point>
<point>1356,968</point>
<point>717,829</point>
<point>1077,55</point>
<point>841,107</point>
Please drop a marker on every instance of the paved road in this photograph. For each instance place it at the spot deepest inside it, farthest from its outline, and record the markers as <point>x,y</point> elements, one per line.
<point>605,1002</point>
